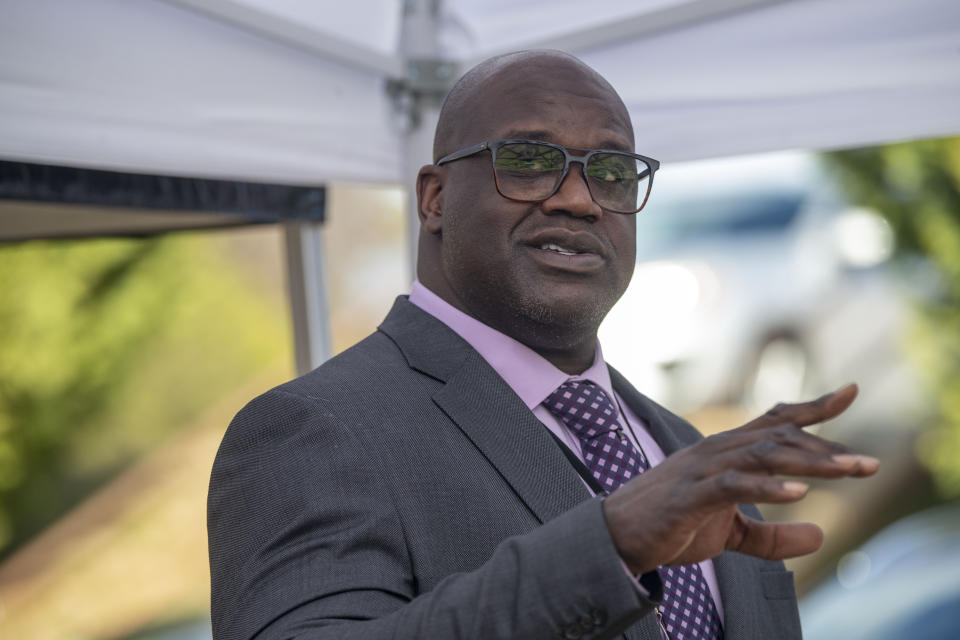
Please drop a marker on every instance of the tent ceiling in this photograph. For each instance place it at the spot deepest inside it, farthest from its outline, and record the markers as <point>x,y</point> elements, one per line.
<point>151,87</point>
<point>265,90</point>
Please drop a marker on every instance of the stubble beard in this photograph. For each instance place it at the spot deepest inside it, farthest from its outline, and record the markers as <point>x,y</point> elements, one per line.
<point>534,319</point>
<point>524,313</point>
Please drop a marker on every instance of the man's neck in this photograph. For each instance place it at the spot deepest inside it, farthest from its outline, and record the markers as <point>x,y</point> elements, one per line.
<point>571,362</point>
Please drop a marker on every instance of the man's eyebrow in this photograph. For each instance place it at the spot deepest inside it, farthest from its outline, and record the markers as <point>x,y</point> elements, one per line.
<point>615,145</point>
<point>528,134</point>
<point>546,136</point>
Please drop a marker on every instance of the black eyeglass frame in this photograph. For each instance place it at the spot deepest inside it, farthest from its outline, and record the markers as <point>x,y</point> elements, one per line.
<point>494,145</point>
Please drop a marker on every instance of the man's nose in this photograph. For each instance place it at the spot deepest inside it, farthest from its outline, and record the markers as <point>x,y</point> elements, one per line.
<point>573,196</point>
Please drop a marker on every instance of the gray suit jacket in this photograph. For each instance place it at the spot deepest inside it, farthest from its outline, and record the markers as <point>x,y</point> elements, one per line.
<point>402,490</point>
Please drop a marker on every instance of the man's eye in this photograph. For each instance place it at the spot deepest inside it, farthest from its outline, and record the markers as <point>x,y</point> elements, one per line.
<point>518,165</point>
<point>522,174</point>
<point>529,157</point>
<point>533,163</point>
<point>606,174</point>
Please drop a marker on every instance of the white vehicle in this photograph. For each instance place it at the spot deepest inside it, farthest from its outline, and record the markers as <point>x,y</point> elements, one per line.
<point>902,583</point>
<point>757,282</point>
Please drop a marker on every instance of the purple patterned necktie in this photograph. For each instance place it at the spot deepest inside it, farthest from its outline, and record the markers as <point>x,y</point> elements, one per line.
<point>688,610</point>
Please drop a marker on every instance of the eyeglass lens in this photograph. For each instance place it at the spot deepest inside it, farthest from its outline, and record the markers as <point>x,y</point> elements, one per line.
<point>531,172</point>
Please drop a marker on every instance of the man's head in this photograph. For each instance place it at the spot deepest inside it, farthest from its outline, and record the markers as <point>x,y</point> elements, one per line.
<point>496,258</point>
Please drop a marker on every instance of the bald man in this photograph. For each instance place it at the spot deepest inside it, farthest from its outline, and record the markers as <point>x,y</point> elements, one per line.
<point>474,469</point>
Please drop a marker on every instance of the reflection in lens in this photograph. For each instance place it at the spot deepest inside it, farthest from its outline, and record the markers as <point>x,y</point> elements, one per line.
<point>529,157</point>
<point>531,171</point>
<point>617,182</point>
<point>527,171</point>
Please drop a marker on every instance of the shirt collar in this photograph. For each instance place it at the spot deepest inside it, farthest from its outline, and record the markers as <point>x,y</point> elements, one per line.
<point>530,375</point>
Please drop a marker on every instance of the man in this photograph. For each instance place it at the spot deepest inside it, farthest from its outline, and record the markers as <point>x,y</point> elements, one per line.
<point>474,469</point>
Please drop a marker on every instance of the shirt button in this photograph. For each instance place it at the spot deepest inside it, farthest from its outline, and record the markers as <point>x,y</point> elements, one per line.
<point>572,632</point>
<point>599,616</point>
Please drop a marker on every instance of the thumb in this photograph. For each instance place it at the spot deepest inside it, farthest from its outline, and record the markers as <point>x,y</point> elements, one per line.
<point>774,540</point>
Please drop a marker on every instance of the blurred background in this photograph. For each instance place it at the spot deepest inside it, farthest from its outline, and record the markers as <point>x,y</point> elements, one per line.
<point>198,199</point>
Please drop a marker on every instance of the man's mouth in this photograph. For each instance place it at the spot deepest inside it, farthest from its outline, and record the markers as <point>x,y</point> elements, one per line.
<point>576,255</point>
<point>549,246</point>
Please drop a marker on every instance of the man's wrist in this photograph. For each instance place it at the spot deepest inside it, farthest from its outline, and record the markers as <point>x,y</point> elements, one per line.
<point>622,541</point>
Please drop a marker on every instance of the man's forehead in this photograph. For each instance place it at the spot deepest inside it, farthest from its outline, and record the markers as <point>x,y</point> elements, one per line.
<point>539,93</point>
<point>600,136</point>
<point>524,107</point>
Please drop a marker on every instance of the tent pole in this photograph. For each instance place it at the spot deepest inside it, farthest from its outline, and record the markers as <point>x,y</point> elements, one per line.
<point>306,284</point>
<point>418,99</point>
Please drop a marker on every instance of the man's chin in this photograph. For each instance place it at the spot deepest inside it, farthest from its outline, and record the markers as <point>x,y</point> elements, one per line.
<point>569,315</point>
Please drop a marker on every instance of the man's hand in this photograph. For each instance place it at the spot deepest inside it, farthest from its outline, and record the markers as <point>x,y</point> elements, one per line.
<point>685,509</point>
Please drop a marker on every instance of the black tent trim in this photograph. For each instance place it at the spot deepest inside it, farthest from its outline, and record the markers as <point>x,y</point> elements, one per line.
<point>241,202</point>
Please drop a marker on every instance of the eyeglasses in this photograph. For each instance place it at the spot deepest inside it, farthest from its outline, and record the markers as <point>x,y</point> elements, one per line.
<point>531,171</point>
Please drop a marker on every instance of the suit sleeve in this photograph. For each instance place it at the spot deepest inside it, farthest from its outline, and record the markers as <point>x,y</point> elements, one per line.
<point>306,544</point>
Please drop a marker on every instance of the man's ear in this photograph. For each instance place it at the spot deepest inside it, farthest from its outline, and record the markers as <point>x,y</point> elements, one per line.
<point>430,197</point>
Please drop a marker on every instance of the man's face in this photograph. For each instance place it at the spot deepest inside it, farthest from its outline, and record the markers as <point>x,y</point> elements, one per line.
<point>499,256</point>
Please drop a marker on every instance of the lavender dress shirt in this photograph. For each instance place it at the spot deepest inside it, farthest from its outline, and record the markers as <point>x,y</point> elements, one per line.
<point>533,378</point>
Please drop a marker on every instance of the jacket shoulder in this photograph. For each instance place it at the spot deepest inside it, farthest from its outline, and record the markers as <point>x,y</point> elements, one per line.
<point>359,372</point>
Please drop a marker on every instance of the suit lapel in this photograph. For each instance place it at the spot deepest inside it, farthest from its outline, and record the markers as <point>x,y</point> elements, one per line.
<point>488,412</point>
<point>514,441</point>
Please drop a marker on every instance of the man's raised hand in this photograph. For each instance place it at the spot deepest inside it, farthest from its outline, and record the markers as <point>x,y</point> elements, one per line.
<point>684,510</point>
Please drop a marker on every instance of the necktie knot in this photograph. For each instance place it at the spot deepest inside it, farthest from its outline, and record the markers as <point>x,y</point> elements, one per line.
<point>584,408</point>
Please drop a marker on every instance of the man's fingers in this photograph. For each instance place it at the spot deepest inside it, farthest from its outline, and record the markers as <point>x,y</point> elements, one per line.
<point>760,485</point>
<point>786,434</point>
<point>774,540</point>
<point>863,466</point>
<point>734,486</point>
<point>769,457</point>
<point>806,413</point>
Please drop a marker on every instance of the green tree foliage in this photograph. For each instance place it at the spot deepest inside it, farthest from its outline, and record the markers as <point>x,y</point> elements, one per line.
<point>916,186</point>
<point>106,346</point>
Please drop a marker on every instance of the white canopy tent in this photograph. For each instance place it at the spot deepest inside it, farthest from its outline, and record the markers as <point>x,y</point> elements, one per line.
<point>292,92</point>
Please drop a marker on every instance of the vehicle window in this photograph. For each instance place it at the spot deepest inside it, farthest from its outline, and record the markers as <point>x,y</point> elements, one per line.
<point>674,220</point>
